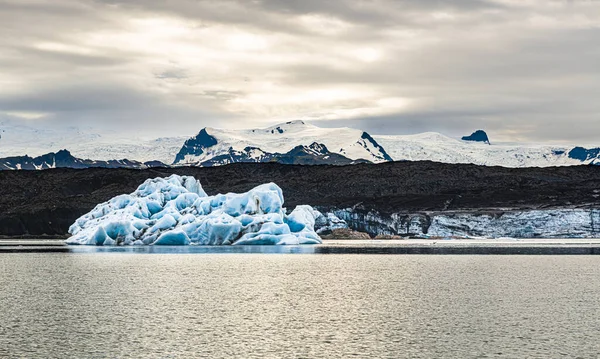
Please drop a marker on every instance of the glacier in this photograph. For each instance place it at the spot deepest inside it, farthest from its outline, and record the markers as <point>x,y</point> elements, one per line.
<point>490,223</point>
<point>177,211</point>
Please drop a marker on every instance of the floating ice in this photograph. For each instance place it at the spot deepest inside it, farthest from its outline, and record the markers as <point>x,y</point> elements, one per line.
<point>177,211</point>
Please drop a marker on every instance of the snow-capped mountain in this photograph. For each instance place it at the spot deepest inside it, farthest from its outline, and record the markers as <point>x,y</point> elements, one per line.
<point>217,146</point>
<point>64,159</point>
<point>293,142</point>
<point>214,147</point>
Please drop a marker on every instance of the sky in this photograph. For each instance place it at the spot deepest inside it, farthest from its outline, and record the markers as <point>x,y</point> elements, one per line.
<point>523,70</point>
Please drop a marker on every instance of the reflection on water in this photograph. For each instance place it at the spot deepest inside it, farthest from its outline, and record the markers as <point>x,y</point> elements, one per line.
<point>305,249</point>
<point>101,305</point>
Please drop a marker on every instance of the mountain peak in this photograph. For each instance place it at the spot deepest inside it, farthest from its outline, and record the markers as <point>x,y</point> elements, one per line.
<point>293,126</point>
<point>196,145</point>
<point>295,123</point>
<point>477,136</point>
<point>63,153</point>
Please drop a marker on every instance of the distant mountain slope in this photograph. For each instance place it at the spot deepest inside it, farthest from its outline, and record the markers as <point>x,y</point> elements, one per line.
<point>64,159</point>
<point>218,146</point>
<point>431,146</point>
<point>161,149</point>
<point>37,139</point>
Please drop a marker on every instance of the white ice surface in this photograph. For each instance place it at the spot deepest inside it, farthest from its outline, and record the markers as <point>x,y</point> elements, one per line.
<point>177,211</point>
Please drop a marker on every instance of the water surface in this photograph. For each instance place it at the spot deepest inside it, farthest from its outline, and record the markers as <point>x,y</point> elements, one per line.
<point>109,305</point>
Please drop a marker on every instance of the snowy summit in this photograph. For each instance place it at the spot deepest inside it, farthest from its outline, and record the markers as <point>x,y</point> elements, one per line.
<point>177,211</point>
<point>219,146</point>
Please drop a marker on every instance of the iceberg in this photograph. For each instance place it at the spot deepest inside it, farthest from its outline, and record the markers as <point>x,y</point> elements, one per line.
<point>176,211</point>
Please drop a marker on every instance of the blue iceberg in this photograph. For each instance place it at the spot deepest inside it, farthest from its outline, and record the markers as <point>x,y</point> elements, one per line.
<point>176,211</point>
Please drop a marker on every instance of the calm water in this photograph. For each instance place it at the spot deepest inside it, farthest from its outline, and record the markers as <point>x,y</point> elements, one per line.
<point>298,306</point>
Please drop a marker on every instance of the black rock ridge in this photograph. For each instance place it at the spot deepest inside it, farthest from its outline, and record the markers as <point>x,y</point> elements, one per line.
<point>64,159</point>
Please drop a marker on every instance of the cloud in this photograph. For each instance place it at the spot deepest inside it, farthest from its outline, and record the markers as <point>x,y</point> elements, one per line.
<point>523,70</point>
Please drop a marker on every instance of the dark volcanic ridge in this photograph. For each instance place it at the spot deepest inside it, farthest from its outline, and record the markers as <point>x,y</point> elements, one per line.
<point>64,159</point>
<point>48,202</point>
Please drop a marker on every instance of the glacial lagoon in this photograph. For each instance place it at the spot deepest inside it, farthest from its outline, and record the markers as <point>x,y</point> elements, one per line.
<point>249,305</point>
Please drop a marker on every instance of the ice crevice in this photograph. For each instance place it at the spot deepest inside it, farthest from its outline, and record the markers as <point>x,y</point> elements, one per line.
<point>176,211</point>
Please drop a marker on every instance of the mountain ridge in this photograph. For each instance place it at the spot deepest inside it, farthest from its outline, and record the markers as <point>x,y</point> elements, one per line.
<point>64,159</point>
<point>211,146</point>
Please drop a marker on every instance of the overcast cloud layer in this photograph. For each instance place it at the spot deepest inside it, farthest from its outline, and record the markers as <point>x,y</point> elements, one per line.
<point>524,70</point>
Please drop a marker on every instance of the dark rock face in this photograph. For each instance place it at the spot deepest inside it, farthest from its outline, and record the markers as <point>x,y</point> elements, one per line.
<point>313,154</point>
<point>477,136</point>
<point>365,136</point>
<point>64,159</point>
<point>584,154</point>
<point>48,202</point>
<point>196,146</point>
<point>155,164</point>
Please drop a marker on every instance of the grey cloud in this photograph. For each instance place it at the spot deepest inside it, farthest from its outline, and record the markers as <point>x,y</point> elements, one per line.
<point>52,58</point>
<point>83,97</point>
<point>116,110</point>
<point>177,74</point>
<point>373,12</point>
<point>487,65</point>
